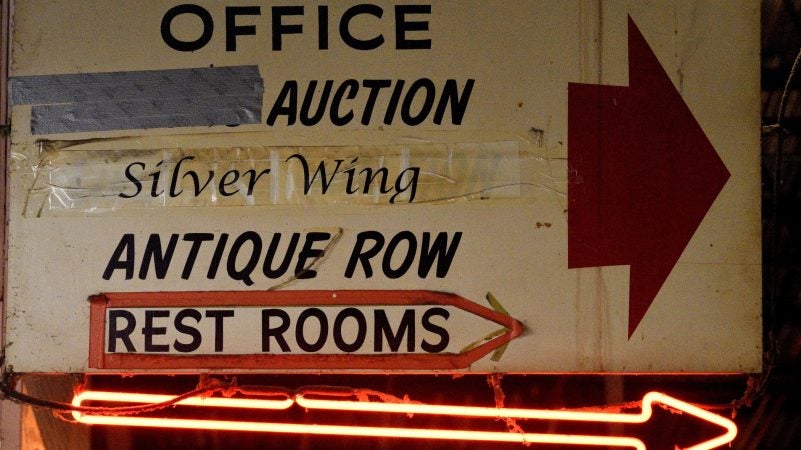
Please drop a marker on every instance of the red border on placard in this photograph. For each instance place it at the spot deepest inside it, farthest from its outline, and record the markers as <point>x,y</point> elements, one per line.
<point>99,359</point>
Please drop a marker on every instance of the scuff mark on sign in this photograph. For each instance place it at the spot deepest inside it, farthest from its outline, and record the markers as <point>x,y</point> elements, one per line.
<point>313,264</point>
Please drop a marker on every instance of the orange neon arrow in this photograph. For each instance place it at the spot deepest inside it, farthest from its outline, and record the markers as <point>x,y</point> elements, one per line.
<point>304,401</point>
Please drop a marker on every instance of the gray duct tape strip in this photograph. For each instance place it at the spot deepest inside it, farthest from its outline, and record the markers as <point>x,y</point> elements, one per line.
<point>72,103</point>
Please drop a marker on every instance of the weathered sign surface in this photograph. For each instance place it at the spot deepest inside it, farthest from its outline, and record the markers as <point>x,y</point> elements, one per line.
<point>554,186</point>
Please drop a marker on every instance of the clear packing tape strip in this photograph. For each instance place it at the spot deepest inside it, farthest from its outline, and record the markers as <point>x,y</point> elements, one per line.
<point>76,182</point>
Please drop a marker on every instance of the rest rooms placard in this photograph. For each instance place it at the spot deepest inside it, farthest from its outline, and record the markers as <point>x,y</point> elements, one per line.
<point>565,186</point>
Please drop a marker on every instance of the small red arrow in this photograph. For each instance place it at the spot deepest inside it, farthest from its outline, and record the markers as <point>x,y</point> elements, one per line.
<point>641,177</point>
<point>100,359</point>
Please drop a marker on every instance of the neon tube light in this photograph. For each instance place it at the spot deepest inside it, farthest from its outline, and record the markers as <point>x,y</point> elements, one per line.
<point>344,430</point>
<point>404,408</point>
<point>216,402</point>
<point>537,414</point>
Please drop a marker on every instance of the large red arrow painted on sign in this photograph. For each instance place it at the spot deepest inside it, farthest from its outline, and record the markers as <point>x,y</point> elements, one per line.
<point>642,175</point>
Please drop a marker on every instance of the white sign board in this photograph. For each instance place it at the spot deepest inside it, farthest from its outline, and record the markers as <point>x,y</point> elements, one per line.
<point>551,186</point>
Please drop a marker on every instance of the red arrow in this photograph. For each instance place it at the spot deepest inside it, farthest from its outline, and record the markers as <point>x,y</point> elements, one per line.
<point>100,359</point>
<point>642,175</point>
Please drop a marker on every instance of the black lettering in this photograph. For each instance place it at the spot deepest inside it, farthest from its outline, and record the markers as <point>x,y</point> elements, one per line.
<point>302,269</point>
<point>411,183</point>
<point>268,332</point>
<point>197,239</point>
<point>352,87</point>
<point>392,106</point>
<point>305,108</point>
<point>279,29</point>
<point>411,251</point>
<point>225,182</point>
<point>351,173</point>
<point>161,258</point>
<point>149,330</point>
<point>186,46</point>
<point>272,251</point>
<point>254,178</point>
<point>428,102</point>
<point>114,331</point>
<point>288,96</point>
<point>154,186</point>
<point>133,179</point>
<point>370,176</point>
<point>232,30</point>
<point>308,180</point>
<point>174,182</point>
<point>375,87</point>
<point>359,255</point>
<point>347,36</point>
<point>444,337</point>
<point>322,27</point>
<point>215,259</point>
<point>219,316</point>
<point>439,251</point>
<point>243,274</point>
<point>361,330</point>
<point>300,335</point>
<point>193,175</point>
<point>458,102</point>
<point>126,246</point>
<point>402,26</point>
<point>383,330</point>
<point>189,330</point>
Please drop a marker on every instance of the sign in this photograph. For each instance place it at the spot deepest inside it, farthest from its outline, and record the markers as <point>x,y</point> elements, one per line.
<point>559,186</point>
<point>294,330</point>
